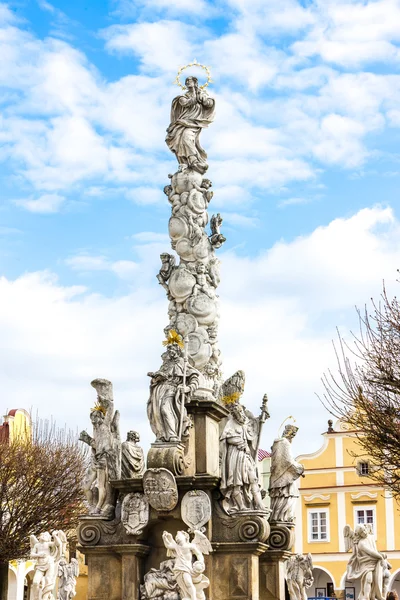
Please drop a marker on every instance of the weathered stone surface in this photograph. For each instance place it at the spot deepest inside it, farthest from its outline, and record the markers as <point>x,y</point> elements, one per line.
<point>240,440</point>
<point>273,574</point>
<point>135,513</point>
<point>67,575</point>
<point>160,489</point>
<point>281,536</point>
<point>366,563</point>
<point>189,575</point>
<point>46,552</point>
<point>168,456</point>
<point>196,509</point>
<point>299,575</point>
<point>106,452</point>
<point>283,483</point>
<point>168,389</point>
<point>132,457</point>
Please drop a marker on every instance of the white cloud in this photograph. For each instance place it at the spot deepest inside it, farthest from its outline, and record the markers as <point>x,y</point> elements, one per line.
<point>295,200</point>
<point>84,263</point>
<point>130,8</point>
<point>284,305</point>
<point>241,221</point>
<point>48,203</point>
<point>160,45</point>
<point>149,237</point>
<point>146,195</point>
<point>351,33</point>
<point>65,125</point>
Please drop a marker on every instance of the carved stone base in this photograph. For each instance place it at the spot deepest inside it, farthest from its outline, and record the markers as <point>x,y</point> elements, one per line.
<point>206,416</point>
<point>235,571</point>
<point>246,526</point>
<point>168,455</point>
<point>115,571</point>
<point>272,575</point>
<point>281,536</point>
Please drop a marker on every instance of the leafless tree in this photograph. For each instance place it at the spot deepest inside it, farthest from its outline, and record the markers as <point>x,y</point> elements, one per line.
<point>365,393</point>
<point>40,489</point>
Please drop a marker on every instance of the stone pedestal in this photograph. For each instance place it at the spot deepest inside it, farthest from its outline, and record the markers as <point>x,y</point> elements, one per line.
<point>206,415</point>
<point>272,575</point>
<point>235,571</point>
<point>115,571</point>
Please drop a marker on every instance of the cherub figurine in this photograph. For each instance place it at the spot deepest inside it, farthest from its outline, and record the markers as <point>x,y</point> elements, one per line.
<point>46,551</point>
<point>203,282</point>
<point>189,575</point>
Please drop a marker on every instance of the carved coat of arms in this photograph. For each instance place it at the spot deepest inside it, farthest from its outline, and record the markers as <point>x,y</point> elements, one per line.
<point>135,513</point>
<point>196,509</point>
<point>160,489</point>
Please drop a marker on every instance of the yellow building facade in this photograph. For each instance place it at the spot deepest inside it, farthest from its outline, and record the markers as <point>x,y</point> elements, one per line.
<point>336,491</point>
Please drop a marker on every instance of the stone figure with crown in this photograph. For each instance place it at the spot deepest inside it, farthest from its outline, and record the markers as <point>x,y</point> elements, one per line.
<point>240,441</point>
<point>190,522</point>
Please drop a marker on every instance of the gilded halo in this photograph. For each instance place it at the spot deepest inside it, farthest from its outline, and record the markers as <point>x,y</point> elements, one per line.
<point>193,64</point>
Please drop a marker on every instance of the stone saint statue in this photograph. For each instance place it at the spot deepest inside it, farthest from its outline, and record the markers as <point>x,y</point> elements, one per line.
<point>190,113</point>
<point>239,476</point>
<point>299,575</point>
<point>46,552</point>
<point>189,575</point>
<point>164,407</point>
<point>160,583</point>
<point>106,451</point>
<point>132,457</point>
<point>67,574</point>
<point>285,471</point>
<point>366,563</point>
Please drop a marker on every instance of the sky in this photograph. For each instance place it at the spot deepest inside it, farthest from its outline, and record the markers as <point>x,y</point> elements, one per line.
<point>305,163</point>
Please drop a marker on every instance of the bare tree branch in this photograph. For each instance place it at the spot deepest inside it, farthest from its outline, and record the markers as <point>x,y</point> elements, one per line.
<point>40,487</point>
<point>365,392</point>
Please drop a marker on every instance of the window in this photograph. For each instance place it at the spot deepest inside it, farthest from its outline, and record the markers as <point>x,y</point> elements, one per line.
<point>363,468</point>
<point>365,516</point>
<point>318,526</point>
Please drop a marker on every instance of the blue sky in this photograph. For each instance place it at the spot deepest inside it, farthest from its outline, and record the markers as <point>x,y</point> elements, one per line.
<point>305,165</point>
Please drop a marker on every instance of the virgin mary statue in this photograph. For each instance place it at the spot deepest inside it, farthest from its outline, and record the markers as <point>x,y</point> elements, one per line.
<point>190,113</point>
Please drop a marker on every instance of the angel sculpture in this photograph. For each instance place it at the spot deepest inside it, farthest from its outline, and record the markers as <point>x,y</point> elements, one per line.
<point>106,451</point>
<point>46,551</point>
<point>67,574</point>
<point>366,563</point>
<point>299,575</point>
<point>189,575</point>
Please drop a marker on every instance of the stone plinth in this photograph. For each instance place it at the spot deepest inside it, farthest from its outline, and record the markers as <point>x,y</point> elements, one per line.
<point>115,571</point>
<point>235,571</point>
<point>206,415</point>
<point>272,575</point>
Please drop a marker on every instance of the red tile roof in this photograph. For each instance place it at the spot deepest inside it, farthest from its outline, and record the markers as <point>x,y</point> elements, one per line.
<point>263,454</point>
